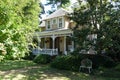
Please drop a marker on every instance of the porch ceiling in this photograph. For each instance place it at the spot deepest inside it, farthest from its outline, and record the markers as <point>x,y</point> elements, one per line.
<point>58,32</point>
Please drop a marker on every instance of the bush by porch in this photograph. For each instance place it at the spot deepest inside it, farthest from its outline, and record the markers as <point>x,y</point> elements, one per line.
<point>71,62</point>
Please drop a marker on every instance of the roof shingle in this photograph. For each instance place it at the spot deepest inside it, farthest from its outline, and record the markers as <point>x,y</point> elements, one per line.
<point>57,13</point>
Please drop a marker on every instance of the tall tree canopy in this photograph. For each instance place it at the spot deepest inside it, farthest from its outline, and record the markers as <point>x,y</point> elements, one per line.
<point>18,20</point>
<point>58,4</point>
<point>100,17</point>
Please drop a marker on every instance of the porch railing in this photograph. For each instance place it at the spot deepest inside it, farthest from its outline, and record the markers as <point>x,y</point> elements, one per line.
<point>51,52</point>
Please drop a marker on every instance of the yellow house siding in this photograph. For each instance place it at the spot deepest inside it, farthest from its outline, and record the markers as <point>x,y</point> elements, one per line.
<point>43,28</point>
<point>47,42</point>
<point>66,22</point>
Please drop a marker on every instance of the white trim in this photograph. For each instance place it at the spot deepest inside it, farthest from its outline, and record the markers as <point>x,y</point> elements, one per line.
<point>59,32</point>
<point>63,22</point>
<point>53,39</point>
<point>51,52</point>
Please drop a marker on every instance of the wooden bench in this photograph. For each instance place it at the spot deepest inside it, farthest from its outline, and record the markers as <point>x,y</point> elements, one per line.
<point>86,63</point>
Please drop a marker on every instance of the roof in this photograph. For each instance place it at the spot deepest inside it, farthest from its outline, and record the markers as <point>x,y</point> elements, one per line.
<point>42,24</point>
<point>57,13</point>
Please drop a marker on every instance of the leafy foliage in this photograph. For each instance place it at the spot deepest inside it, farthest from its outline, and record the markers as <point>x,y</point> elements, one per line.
<point>58,4</point>
<point>2,51</point>
<point>117,67</point>
<point>73,62</point>
<point>99,17</point>
<point>64,62</point>
<point>18,19</point>
<point>42,59</point>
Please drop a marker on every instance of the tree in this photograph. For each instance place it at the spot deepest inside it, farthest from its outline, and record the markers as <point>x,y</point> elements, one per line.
<point>58,4</point>
<point>18,20</point>
<point>100,17</point>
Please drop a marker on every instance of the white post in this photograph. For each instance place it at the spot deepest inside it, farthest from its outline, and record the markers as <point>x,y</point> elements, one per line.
<point>72,45</point>
<point>53,41</point>
<point>65,45</point>
<point>39,39</point>
<point>45,43</point>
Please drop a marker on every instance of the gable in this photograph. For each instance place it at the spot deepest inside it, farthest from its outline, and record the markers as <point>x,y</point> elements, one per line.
<point>57,13</point>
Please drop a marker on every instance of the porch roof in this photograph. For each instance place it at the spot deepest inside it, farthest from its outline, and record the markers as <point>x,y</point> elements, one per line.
<point>58,32</point>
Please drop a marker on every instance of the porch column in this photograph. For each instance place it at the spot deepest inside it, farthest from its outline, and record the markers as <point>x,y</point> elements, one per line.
<point>72,45</point>
<point>45,43</point>
<point>53,40</point>
<point>65,45</point>
<point>39,40</point>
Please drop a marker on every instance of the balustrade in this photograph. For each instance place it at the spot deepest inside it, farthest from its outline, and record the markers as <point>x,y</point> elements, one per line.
<point>45,51</point>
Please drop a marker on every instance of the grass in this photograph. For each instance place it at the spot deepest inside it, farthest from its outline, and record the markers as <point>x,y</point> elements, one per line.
<point>15,64</point>
<point>27,70</point>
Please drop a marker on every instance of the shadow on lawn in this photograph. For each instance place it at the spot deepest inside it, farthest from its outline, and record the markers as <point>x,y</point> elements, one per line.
<point>15,64</point>
<point>53,74</point>
<point>111,73</point>
<point>27,70</point>
<point>42,73</point>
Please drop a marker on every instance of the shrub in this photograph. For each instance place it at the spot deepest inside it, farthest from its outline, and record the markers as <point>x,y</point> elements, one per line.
<point>1,58</point>
<point>68,62</point>
<point>2,52</point>
<point>117,67</point>
<point>42,59</point>
<point>97,60</point>
<point>72,62</point>
<point>62,62</point>
<point>29,56</point>
<point>109,63</point>
<point>103,61</point>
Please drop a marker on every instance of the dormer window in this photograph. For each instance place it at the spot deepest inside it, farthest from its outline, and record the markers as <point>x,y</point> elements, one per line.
<point>60,23</point>
<point>48,24</point>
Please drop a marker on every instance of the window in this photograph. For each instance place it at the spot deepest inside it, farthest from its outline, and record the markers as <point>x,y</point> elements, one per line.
<point>60,22</point>
<point>54,21</point>
<point>48,24</point>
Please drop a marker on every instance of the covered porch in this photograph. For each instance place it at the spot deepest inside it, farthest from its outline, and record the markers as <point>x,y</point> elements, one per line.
<point>55,42</point>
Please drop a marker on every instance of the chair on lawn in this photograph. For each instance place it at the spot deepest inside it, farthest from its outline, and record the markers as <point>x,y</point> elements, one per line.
<point>86,63</point>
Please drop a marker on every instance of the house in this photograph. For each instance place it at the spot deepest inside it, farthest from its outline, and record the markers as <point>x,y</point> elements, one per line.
<point>55,33</point>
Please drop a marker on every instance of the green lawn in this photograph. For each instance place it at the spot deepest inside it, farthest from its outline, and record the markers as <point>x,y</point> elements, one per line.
<point>27,70</point>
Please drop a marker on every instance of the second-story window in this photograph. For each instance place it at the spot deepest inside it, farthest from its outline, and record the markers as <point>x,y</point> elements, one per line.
<point>54,21</point>
<point>48,24</point>
<point>60,22</point>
